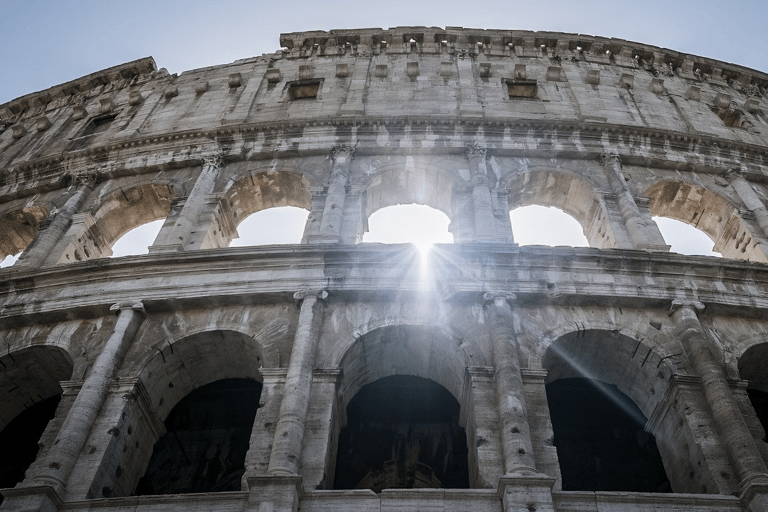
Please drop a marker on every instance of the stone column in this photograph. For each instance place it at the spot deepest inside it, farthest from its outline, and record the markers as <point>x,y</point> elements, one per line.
<point>42,247</point>
<point>513,416</point>
<point>62,456</point>
<point>180,236</point>
<point>643,232</point>
<point>285,458</point>
<point>733,432</point>
<point>333,212</point>
<point>751,200</point>
<point>482,202</point>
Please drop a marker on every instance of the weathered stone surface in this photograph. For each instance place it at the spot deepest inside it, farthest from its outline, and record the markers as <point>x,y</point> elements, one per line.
<point>471,122</point>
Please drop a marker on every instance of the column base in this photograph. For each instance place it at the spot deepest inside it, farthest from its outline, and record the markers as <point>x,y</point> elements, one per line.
<point>754,496</point>
<point>41,498</point>
<point>526,492</point>
<point>274,493</point>
<point>164,249</point>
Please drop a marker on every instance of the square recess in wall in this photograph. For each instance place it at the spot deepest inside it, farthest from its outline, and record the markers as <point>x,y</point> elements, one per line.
<point>521,89</point>
<point>304,89</point>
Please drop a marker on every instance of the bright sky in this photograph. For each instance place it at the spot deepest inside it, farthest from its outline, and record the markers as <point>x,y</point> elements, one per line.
<point>47,42</point>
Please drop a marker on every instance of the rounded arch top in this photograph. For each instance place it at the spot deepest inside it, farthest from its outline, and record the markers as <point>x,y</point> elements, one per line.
<point>710,213</point>
<point>29,375</point>
<point>425,351</point>
<point>568,192</point>
<point>267,189</point>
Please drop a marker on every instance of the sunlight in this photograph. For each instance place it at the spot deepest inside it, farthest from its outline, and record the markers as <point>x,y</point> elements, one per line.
<point>684,238</point>
<point>542,225</point>
<point>9,260</point>
<point>279,225</point>
<point>137,240</point>
<point>409,223</point>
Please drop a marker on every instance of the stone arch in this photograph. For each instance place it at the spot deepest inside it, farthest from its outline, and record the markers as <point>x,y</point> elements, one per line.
<point>198,358</point>
<point>31,374</point>
<point>266,189</point>
<point>471,352</point>
<point>18,228</point>
<point>644,374</point>
<point>569,193</point>
<point>30,386</point>
<point>408,355</point>
<point>409,183</point>
<point>708,212</point>
<point>114,213</point>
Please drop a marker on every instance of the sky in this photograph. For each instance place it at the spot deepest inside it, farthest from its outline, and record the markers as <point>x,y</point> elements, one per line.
<point>44,42</point>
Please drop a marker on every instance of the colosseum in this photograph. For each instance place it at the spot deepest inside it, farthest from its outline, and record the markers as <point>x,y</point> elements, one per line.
<point>338,375</point>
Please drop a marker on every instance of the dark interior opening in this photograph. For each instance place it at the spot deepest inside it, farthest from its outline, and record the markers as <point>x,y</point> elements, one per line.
<point>759,401</point>
<point>206,441</point>
<point>402,433</point>
<point>600,439</point>
<point>99,124</point>
<point>19,440</point>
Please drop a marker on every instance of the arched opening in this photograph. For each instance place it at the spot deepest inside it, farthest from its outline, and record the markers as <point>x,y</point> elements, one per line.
<point>402,433</point>
<point>170,374</point>
<point>541,225</point>
<point>206,440</point>
<point>408,223</point>
<point>268,208</point>
<point>117,213</point>
<point>600,441</point>
<point>404,369</point>
<point>684,238</point>
<point>137,240</point>
<point>602,387</point>
<point>567,193</point>
<point>753,367</point>
<point>30,386</point>
<point>707,212</point>
<point>17,230</point>
<point>277,225</point>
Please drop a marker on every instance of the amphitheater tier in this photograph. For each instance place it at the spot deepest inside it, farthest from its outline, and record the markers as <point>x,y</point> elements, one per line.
<point>474,371</point>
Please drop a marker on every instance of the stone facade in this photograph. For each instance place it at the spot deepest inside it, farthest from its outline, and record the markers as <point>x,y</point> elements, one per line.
<point>473,123</point>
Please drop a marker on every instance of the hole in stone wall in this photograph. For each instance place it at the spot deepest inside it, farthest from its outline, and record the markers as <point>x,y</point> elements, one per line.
<point>207,438</point>
<point>304,90</point>
<point>278,225</point>
<point>402,433</point>
<point>19,440</point>
<point>600,441</point>
<point>137,240</point>
<point>521,89</point>
<point>753,367</point>
<point>759,400</point>
<point>408,223</point>
<point>541,225</point>
<point>99,125</point>
<point>684,238</point>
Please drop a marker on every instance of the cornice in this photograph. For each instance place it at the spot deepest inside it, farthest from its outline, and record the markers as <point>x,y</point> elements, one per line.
<point>270,275</point>
<point>231,138</point>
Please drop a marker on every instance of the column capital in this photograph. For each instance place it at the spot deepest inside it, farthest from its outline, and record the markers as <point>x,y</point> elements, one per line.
<point>499,298</point>
<point>696,305</point>
<point>84,177</point>
<point>610,158</point>
<point>342,153</point>
<point>213,159</point>
<point>134,305</point>
<point>303,294</point>
<point>475,151</point>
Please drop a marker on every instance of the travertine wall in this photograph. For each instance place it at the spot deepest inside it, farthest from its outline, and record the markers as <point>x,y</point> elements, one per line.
<point>473,123</point>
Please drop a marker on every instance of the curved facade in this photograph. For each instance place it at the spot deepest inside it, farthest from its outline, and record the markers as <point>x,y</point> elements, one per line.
<point>462,368</point>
